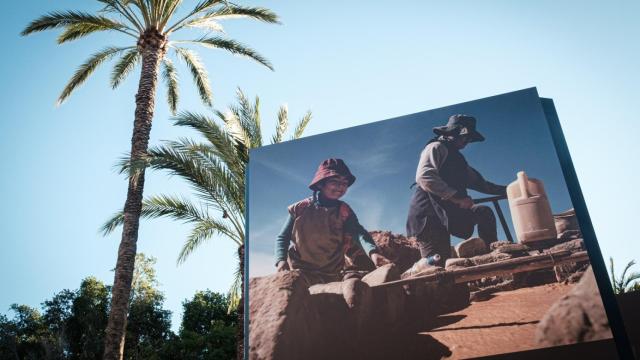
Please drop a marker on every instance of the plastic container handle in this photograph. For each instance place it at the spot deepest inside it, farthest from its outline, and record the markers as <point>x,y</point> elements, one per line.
<point>523,181</point>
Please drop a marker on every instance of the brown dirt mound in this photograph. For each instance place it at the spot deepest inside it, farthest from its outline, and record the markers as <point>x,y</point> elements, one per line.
<point>401,250</point>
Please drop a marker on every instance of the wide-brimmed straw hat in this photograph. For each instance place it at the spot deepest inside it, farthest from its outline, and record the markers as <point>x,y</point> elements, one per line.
<point>329,168</point>
<point>460,124</point>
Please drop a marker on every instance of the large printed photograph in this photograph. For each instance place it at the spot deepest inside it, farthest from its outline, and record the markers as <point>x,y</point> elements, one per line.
<point>448,233</point>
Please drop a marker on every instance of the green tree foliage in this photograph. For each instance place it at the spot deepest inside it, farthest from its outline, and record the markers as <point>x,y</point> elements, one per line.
<point>56,314</point>
<point>149,324</point>
<point>72,324</point>
<point>208,330</point>
<point>204,306</point>
<point>25,332</point>
<point>149,328</point>
<point>8,339</point>
<point>627,281</point>
<point>88,321</point>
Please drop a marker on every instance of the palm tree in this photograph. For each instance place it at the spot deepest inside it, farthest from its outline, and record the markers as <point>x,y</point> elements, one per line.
<point>625,283</point>
<point>151,24</point>
<point>216,170</point>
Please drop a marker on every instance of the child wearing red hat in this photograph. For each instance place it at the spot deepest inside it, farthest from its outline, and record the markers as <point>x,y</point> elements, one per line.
<point>322,229</point>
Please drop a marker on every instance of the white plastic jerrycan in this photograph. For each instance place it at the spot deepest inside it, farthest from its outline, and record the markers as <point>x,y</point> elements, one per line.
<point>530,210</point>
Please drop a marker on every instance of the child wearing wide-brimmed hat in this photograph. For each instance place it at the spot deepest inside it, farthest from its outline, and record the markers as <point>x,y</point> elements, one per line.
<point>322,229</point>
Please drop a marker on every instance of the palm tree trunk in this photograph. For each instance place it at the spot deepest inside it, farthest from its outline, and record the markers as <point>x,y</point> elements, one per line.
<point>240,331</point>
<point>152,46</point>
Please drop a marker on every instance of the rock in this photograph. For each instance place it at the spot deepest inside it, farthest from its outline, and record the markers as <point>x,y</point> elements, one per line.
<point>382,275</point>
<point>458,262</point>
<point>294,317</point>
<point>489,258</point>
<point>328,288</point>
<point>471,247</point>
<point>577,317</point>
<point>400,250</point>
<point>353,291</point>
<point>515,249</point>
<point>566,221</point>
<point>569,235</point>
<point>497,244</point>
<point>279,308</point>
<point>571,272</point>
<point>572,245</point>
<point>489,282</point>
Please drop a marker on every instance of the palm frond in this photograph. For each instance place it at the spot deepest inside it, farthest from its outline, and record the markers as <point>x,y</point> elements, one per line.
<point>113,223</point>
<point>205,5</point>
<point>249,116</point>
<point>77,31</point>
<point>189,155</point>
<point>86,69</point>
<point>202,6</point>
<point>170,76</point>
<point>73,19</point>
<point>207,24</point>
<point>127,62</point>
<point>121,7</point>
<point>623,276</point>
<point>212,181</point>
<point>160,206</point>
<point>231,46</point>
<point>167,10</point>
<point>297,133</point>
<point>630,279</point>
<point>235,290</point>
<point>201,232</point>
<point>238,12</point>
<point>221,142</point>
<point>233,124</point>
<point>257,121</point>
<point>614,281</point>
<point>198,72</point>
<point>283,124</point>
<point>626,282</point>
<point>177,208</point>
<point>209,178</point>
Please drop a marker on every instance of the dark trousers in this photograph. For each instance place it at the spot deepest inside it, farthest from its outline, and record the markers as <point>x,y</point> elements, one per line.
<point>435,239</point>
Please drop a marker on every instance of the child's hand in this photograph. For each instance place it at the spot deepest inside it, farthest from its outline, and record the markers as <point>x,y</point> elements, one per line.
<point>379,260</point>
<point>282,266</point>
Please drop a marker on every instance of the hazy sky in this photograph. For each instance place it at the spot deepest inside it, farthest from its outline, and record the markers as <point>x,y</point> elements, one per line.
<point>350,63</point>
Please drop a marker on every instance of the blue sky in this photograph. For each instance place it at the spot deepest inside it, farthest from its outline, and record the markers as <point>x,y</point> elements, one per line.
<point>350,63</point>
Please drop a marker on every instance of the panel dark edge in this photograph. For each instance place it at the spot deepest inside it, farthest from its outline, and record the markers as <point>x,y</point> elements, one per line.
<point>588,232</point>
<point>599,349</point>
<point>246,262</point>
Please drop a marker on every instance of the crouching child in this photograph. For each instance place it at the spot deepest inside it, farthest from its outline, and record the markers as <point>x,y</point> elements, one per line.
<point>322,231</point>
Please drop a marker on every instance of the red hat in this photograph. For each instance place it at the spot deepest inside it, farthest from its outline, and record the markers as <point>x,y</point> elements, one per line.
<point>329,168</point>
